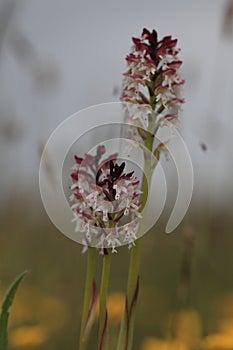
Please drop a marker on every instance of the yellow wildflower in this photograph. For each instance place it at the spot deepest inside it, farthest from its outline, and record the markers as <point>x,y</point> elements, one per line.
<point>30,336</point>
<point>218,341</point>
<point>115,307</point>
<point>159,344</point>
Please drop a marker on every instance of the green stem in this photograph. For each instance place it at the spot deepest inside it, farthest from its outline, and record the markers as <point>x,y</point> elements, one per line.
<point>133,271</point>
<point>103,300</point>
<point>125,339</point>
<point>87,296</point>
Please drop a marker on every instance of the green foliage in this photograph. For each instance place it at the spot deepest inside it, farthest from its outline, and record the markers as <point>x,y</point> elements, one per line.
<point>7,302</point>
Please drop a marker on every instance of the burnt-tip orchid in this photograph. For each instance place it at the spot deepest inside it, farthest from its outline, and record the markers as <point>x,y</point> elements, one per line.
<point>105,201</point>
<point>152,84</point>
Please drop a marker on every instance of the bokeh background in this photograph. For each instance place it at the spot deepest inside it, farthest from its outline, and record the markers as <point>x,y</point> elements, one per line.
<point>57,57</point>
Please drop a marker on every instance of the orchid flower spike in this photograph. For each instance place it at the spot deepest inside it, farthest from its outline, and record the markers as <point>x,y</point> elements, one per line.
<point>105,201</point>
<point>152,85</point>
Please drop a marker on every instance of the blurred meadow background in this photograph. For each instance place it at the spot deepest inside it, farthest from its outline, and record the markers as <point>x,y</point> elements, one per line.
<point>57,57</point>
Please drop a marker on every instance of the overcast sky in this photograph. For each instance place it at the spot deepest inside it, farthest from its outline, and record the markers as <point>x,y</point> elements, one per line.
<point>58,57</point>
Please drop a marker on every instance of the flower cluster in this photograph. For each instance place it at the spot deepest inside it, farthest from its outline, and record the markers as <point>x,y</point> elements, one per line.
<point>151,88</point>
<point>105,201</point>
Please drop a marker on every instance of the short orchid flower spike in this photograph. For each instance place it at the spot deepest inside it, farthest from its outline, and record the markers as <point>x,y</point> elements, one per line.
<point>105,201</point>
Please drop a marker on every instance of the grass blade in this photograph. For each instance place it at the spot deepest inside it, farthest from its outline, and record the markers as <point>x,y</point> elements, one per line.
<point>7,302</point>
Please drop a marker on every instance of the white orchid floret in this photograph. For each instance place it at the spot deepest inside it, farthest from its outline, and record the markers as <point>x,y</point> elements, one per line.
<point>91,199</point>
<point>112,240</point>
<point>130,232</point>
<point>119,188</point>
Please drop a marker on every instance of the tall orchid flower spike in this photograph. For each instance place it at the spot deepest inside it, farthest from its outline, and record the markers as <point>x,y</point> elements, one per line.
<point>152,99</point>
<point>152,84</point>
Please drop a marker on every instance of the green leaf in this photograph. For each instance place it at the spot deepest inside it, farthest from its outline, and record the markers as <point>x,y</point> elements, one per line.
<point>7,302</point>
